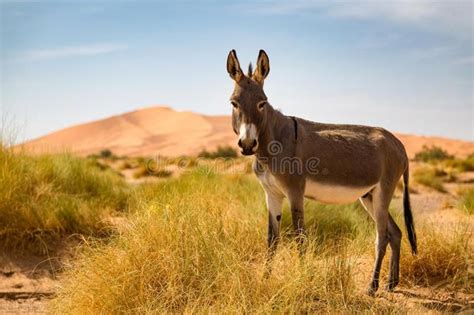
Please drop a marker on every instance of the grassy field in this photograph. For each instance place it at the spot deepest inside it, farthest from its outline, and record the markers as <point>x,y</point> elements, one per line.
<point>196,243</point>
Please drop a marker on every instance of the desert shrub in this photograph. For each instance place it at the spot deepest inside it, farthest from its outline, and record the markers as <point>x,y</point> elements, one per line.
<point>433,153</point>
<point>430,177</point>
<point>467,200</point>
<point>106,153</point>
<point>221,152</point>
<point>54,195</point>
<point>197,245</point>
<point>462,165</point>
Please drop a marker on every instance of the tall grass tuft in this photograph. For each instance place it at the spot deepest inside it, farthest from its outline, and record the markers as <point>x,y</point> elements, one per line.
<point>47,196</point>
<point>467,200</point>
<point>444,258</point>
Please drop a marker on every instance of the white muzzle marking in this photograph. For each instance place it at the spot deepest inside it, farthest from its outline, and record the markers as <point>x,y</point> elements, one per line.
<point>248,134</point>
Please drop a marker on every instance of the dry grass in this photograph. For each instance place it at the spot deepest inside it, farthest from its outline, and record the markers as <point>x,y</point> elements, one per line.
<point>197,245</point>
<point>146,171</point>
<point>193,248</point>
<point>444,258</point>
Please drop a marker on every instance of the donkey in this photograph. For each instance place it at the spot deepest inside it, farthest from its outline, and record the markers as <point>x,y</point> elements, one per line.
<point>330,163</point>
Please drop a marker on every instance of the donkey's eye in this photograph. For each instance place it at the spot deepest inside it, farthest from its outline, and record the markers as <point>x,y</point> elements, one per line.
<point>261,105</point>
<point>234,104</point>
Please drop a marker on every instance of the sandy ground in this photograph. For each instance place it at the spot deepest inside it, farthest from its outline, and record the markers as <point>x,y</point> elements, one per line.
<point>28,282</point>
<point>163,131</point>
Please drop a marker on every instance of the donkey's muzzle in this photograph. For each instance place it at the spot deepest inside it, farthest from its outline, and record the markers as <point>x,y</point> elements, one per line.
<point>248,146</point>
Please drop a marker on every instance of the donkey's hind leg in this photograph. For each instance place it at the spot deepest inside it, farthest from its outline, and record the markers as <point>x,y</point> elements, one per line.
<point>395,238</point>
<point>376,204</point>
<point>296,198</point>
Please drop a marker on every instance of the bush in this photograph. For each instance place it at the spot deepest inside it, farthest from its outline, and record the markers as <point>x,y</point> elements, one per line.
<point>430,177</point>
<point>433,153</point>
<point>105,154</point>
<point>226,152</point>
<point>50,196</point>
<point>462,165</point>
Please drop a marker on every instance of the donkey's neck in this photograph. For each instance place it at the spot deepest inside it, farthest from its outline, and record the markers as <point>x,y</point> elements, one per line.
<point>276,129</point>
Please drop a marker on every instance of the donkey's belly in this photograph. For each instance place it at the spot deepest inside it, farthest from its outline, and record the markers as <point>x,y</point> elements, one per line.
<point>329,193</point>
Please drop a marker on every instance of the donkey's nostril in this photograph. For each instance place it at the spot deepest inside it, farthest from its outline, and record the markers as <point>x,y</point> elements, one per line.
<point>254,143</point>
<point>240,143</point>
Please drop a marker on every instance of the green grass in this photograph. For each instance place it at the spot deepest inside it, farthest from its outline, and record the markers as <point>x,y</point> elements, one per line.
<point>467,200</point>
<point>430,177</point>
<point>49,196</point>
<point>147,171</point>
<point>462,165</point>
<point>432,153</point>
<point>226,152</point>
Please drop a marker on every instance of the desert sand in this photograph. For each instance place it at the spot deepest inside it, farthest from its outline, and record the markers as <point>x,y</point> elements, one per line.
<point>160,130</point>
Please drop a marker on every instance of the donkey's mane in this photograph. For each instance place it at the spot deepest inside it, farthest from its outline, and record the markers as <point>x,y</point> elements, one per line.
<point>250,71</point>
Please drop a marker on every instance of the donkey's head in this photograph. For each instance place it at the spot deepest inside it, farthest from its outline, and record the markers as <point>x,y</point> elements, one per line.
<point>248,101</point>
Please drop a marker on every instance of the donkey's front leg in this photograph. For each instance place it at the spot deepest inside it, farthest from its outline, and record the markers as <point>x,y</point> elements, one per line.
<point>274,206</point>
<point>296,199</point>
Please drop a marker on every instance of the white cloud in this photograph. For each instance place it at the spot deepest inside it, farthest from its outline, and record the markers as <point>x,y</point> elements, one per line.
<point>454,18</point>
<point>69,51</point>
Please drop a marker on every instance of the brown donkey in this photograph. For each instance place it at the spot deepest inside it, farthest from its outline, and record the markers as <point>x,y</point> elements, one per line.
<point>330,163</point>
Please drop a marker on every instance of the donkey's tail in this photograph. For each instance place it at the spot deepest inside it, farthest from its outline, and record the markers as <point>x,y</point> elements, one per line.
<point>407,213</point>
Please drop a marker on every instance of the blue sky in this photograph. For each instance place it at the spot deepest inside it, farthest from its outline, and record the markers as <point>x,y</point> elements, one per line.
<point>403,65</point>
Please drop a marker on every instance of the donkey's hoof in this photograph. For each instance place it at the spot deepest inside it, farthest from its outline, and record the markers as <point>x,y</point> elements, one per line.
<point>391,286</point>
<point>371,291</point>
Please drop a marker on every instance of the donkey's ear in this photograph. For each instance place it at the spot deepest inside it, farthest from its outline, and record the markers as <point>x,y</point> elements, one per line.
<point>233,66</point>
<point>263,67</point>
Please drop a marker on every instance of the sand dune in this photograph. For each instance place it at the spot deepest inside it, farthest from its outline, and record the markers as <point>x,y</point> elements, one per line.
<point>163,131</point>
